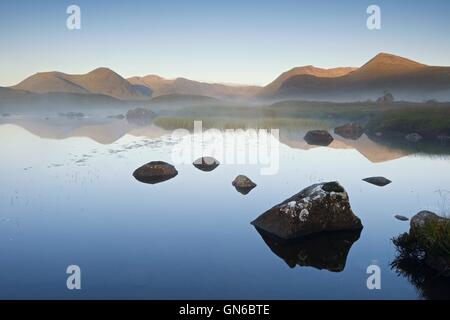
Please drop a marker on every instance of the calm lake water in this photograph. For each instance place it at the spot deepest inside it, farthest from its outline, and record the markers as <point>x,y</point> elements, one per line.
<point>68,197</point>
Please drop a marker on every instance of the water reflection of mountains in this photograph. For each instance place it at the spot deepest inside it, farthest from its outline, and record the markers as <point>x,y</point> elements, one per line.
<point>106,130</point>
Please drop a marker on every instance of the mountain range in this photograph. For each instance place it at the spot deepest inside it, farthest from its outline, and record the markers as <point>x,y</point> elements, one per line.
<point>404,78</point>
<point>161,86</point>
<point>99,81</point>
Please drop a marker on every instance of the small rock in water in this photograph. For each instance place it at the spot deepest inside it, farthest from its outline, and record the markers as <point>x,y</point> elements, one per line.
<point>73,115</point>
<point>5,115</point>
<point>118,117</point>
<point>401,218</point>
<point>320,207</point>
<point>243,184</point>
<point>351,131</point>
<point>206,164</point>
<point>413,137</point>
<point>318,138</point>
<point>378,181</point>
<point>155,172</point>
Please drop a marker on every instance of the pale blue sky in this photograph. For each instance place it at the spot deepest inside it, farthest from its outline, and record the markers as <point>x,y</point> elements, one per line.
<point>219,41</point>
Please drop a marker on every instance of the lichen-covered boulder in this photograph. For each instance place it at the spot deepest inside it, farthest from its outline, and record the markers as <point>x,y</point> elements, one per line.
<point>243,184</point>
<point>206,164</point>
<point>352,131</point>
<point>155,172</point>
<point>318,138</point>
<point>320,207</point>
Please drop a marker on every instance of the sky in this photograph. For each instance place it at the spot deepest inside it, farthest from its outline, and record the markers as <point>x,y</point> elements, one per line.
<point>233,41</point>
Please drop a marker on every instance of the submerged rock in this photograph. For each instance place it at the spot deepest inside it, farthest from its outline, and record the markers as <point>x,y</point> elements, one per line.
<point>5,115</point>
<point>351,131</point>
<point>206,163</point>
<point>155,172</point>
<point>413,137</point>
<point>401,218</point>
<point>321,251</point>
<point>378,181</point>
<point>320,207</point>
<point>140,116</point>
<point>318,138</point>
<point>243,184</point>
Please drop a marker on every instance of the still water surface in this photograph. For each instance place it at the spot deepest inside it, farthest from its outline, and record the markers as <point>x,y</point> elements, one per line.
<point>72,200</point>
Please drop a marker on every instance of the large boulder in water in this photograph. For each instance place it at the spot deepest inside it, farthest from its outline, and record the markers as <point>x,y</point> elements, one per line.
<point>206,164</point>
<point>318,138</point>
<point>351,131</point>
<point>243,184</point>
<point>155,172</point>
<point>320,207</point>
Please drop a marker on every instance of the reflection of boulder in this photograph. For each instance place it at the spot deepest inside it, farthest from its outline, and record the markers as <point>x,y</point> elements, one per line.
<point>321,251</point>
<point>206,164</point>
<point>320,207</point>
<point>318,138</point>
<point>243,184</point>
<point>140,116</point>
<point>155,172</point>
<point>352,131</point>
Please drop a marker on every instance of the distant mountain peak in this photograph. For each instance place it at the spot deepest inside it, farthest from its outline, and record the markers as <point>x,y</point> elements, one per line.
<point>102,72</point>
<point>308,70</point>
<point>387,59</point>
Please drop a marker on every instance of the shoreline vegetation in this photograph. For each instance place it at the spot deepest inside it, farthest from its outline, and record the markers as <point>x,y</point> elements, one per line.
<point>423,255</point>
